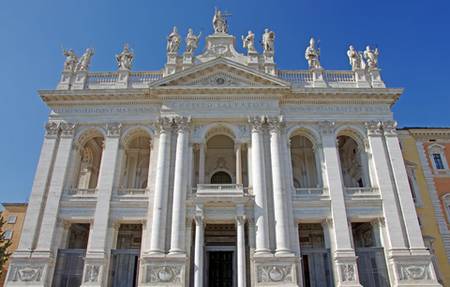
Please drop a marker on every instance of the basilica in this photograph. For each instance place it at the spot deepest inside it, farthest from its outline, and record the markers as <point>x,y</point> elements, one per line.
<point>221,170</point>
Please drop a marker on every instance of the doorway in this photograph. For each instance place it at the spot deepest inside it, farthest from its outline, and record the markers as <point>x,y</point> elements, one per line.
<point>220,268</point>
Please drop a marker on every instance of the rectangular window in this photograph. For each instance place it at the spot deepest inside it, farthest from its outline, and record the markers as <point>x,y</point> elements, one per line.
<point>438,161</point>
<point>8,234</point>
<point>12,219</point>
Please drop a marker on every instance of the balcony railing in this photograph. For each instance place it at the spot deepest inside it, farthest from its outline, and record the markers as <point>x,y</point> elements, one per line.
<point>122,191</point>
<point>219,189</point>
<point>361,192</point>
<point>308,191</point>
<point>82,192</point>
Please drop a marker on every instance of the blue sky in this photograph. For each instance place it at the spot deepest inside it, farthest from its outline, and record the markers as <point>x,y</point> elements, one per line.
<point>413,37</point>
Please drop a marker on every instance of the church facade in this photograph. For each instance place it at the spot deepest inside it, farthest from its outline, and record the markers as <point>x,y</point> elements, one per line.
<point>221,170</point>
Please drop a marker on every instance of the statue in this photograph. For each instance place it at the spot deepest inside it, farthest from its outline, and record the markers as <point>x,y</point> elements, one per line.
<point>192,41</point>
<point>219,22</point>
<point>173,41</point>
<point>71,60</point>
<point>268,40</point>
<point>248,42</point>
<point>85,60</point>
<point>371,57</point>
<point>355,58</point>
<point>313,55</point>
<point>125,58</point>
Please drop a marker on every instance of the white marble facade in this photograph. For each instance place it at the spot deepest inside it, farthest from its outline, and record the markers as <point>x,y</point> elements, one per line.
<point>220,138</point>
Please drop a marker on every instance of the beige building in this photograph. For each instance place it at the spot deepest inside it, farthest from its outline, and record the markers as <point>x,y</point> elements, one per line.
<point>14,215</point>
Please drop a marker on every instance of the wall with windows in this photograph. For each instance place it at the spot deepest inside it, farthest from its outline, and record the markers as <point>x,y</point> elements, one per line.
<point>422,196</point>
<point>14,215</point>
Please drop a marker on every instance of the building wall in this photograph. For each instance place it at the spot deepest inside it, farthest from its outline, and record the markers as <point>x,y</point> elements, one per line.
<point>424,205</point>
<point>13,209</point>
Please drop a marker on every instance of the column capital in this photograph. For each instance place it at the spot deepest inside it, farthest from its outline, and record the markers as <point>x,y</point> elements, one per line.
<point>240,219</point>
<point>182,123</point>
<point>374,128</point>
<point>256,123</point>
<point>164,125</point>
<point>390,128</point>
<point>113,129</point>
<point>275,124</point>
<point>67,129</point>
<point>51,129</point>
<point>327,127</point>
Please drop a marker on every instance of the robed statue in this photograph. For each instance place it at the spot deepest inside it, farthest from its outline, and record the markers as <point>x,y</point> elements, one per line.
<point>219,22</point>
<point>125,58</point>
<point>268,40</point>
<point>173,41</point>
<point>312,55</point>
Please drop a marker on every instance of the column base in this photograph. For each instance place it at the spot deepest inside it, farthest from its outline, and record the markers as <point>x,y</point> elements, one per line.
<point>275,270</point>
<point>29,271</point>
<point>413,270</point>
<point>163,271</point>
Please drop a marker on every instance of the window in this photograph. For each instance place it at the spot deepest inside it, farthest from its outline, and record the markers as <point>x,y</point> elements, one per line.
<point>8,234</point>
<point>446,200</point>
<point>12,219</point>
<point>438,161</point>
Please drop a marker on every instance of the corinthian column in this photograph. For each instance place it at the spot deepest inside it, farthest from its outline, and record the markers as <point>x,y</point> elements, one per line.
<point>281,226</point>
<point>158,214</point>
<point>177,244</point>
<point>259,188</point>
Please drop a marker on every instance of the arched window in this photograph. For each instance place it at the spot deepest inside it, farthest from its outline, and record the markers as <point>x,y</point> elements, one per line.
<point>352,162</point>
<point>221,177</point>
<point>437,157</point>
<point>136,163</point>
<point>304,167</point>
<point>90,156</point>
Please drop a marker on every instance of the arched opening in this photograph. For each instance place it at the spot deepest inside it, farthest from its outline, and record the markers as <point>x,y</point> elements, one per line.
<point>220,160</point>
<point>90,156</point>
<point>304,166</point>
<point>353,163</point>
<point>221,177</point>
<point>136,163</point>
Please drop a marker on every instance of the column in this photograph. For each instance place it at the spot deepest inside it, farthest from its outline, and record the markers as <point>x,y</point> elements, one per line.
<point>177,244</point>
<point>105,185</point>
<point>241,268</point>
<point>199,250</point>
<point>201,164</point>
<point>281,222</point>
<point>158,215</point>
<point>406,202</point>
<point>392,215</point>
<point>344,255</point>
<point>36,201</point>
<point>55,190</point>
<point>258,174</point>
<point>238,150</point>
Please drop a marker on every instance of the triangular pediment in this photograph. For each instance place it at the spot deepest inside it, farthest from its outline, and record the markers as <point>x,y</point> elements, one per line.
<point>220,72</point>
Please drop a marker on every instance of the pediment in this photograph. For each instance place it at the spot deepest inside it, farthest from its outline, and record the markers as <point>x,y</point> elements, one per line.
<point>220,73</point>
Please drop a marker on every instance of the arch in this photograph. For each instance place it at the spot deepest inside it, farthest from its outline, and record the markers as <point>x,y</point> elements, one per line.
<point>221,177</point>
<point>87,133</point>
<point>354,132</point>
<point>304,160</point>
<point>132,132</point>
<point>308,132</point>
<point>213,129</point>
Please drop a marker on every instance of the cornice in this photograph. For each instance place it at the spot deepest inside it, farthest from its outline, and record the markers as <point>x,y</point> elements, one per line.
<point>430,133</point>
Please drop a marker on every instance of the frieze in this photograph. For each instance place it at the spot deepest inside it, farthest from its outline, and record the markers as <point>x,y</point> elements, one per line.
<point>225,106</point>
<point>105,110</point>
<point>169,274</point>
<point>274,274</point>
<point>340,109</point>
<point>26,273</point>
<point>413,272</point>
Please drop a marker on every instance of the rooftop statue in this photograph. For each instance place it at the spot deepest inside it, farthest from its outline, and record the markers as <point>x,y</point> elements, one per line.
<point>219,22</point>
<point>268,40</point>
<point>371,57</point>
<point>312,54</point>
<point>355,58</point>
<point>125,58</point>
<point>248,42</point>
<point>173,41</point>
<point>71,60</point>
<point>192,41</point>
<point>85,60</point>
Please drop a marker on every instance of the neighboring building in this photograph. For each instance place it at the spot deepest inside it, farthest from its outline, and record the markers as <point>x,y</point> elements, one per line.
<point>14,215</point>
<point>221,170</point>
<point>427,153</point>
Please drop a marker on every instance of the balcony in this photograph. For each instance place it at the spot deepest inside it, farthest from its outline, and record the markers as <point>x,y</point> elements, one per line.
<point>310,193</point>
<point>361,192</point>
<point>82,192</point>
<point>132,191</point>
<point>219,189</point>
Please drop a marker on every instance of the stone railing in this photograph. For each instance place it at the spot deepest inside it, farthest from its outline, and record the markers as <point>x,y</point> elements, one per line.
<point>131,191</point>
<point>82,192</point>
<point>219,189</point>
<point>310,191</point>
<point>361,191</point>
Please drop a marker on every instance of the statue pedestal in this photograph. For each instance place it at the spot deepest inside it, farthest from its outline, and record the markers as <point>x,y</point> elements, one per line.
<point>221,45</point>
<point>361,78</point>
<point>65,82</point>
<point>188,60</point>
<point>253,60</point>
<point>122,81</point>
<point>171,65</point>
<point>318,81</point>
<point>80,80</point>
<point>269,63</point>
<point>375,78</point>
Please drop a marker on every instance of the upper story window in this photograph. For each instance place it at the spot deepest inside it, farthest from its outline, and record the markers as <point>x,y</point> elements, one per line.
<point>437,157</point>
<point>304,166</point>
<point>438,161</point>
<point>8,234</point>
<point>11,219</point>
<point>353,162</point>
